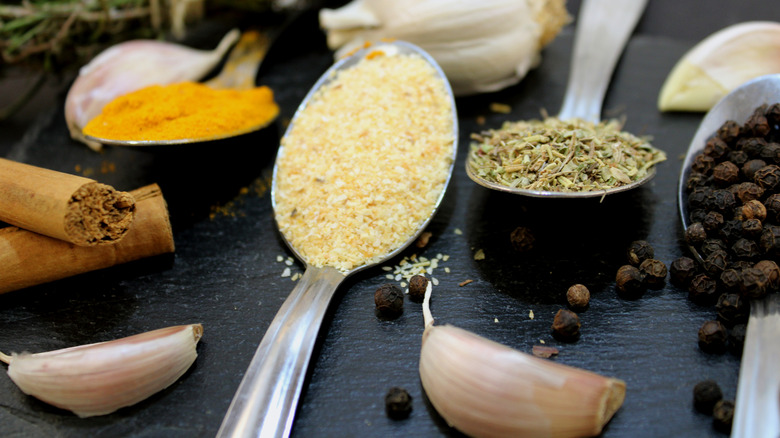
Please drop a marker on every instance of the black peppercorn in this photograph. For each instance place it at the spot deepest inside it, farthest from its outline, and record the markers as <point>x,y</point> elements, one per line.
<point>578,296</point>
<point>711,245</point>
<point>715,262</point>
<point>725,173</point>
<point>737,157</point>
<point>745,249</point>
<point>699,197</point>
<point>702,289</point>
<point>757,124</point>
<point>729,131</point>
<point>770,240</point>
<point>398,403</point>
<point>772,205</point>
<point>772,272</point>
<point>566,325</point>
<point>712,337</point>
<point>750,167</point>
<point>731,280</point>
<point>522,239</point>
<point>696,180</point>
<point>703,164</point>
<point>639,251</point>
<point>736,341</point>
<point>723,416</point>
<point>732,309</point>
<point>731,231</point>
<point>630,281</point>
<point>752,146</point>
<point>771,153</point>
<point>682,270</point>
<point>752,228</point>
<point>753,209</point>
<point>697,215</point>
<point>713,221</point>
<point>754,283</point>
<point>740,265</point>
<point>716,148</point>
<point>705,394</point>
<point>773,114</point>
<point>654,272</point>
<point>417,286</point>
<point>768,177</point>
<point>389,299</point>
<point>745,191</point>
<point>695,235</point>
<point>722,200</point>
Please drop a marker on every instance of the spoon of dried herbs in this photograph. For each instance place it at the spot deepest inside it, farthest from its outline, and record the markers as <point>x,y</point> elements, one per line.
<point>575,154</point>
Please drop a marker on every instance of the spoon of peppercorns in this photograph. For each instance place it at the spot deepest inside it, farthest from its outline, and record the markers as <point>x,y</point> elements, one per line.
<point>729,202</point>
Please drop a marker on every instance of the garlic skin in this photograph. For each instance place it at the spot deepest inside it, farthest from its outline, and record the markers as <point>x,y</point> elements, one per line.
<point>482,45</point>
<point>130,66</point>
<point>485,389</point>
<point>720,63</point>
<point>98,379</point>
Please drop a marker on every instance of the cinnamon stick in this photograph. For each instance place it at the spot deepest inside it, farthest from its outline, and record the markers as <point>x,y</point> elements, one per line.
<point>63,206</point>
<point>28,259</point>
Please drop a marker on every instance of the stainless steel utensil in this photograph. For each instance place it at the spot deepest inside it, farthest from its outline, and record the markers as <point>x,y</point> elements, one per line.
<point>265,402</point>
<point>603,29</point>
<point>757,404</point>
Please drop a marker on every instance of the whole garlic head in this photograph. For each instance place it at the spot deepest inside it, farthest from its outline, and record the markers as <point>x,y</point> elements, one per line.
<point>482,45</point>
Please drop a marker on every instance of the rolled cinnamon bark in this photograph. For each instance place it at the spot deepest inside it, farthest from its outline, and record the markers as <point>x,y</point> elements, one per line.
<point>63,206</point>
<point>28,259</point>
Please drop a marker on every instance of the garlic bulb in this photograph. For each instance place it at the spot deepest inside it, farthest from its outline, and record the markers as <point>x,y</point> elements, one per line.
<point>485,389</point>
<point>482,45</point>
<point>720,63</point>
<point>98,379</point>
<point>133,65</point>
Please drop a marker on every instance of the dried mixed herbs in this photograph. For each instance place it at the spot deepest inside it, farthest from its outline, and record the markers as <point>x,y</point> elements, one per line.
<point>562,156</point>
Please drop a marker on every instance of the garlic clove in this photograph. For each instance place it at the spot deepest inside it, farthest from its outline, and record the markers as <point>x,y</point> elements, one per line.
<point>130,66</point>
<point>482,46</point>
<point>720,63</point>
<point>98,379</point>
<point>485,389</point>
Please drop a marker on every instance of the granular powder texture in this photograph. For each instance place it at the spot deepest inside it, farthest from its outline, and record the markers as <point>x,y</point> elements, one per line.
<point>364,163</point>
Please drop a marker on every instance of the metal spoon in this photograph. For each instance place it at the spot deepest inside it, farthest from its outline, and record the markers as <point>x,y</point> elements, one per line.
<point>757,405</point>
<point>601,34</point>
<point>239,73</point>
<point>265,402</point>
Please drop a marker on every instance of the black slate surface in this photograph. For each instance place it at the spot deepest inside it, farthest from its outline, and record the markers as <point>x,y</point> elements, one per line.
<point>225,274</point>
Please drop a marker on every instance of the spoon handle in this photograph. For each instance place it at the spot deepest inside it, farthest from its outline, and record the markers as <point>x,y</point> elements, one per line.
<point>601,34</point>
<point>757,406</point>
<point>264,405</point>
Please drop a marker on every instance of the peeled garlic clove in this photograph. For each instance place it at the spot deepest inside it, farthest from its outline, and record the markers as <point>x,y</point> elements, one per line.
<point>485,389</point>
<point>720,63</point>
<point>98,379</point>
<point>481,45</point>
<point>133,65</point>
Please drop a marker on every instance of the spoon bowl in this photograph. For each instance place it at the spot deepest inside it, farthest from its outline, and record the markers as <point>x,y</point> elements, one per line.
<point>265,402</point>
<point>602,31</point>
<point>238,72</point>
<point>757,404</point>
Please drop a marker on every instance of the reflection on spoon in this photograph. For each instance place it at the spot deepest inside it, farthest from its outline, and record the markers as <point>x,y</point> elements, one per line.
<point>602,32</point>
<point>351,189</point>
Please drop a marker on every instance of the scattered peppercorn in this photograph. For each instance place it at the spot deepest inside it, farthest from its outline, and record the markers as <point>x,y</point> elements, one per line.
<point>712,337</point>
<point>389,299</point>
<point>654,272</point>
<point>715,262</point>
<point>705,395</point>
<point>731,280</point>
<point>522,239</point>
<point>630,281</point>
<point>754,283</point>
<point>566,325</point>
<point>578,297</point>
<point>772,272</point>
<point>417,286</point>
<point>745,249</point>
<point>702,289</point>
<point>723,415</point>
<point>682,270</point>
<point>398,403</point>
<point>732,309</point>
<point>639,251</point>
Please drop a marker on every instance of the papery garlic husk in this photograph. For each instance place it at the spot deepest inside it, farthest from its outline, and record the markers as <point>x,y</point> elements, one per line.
<point>720,63</point>
<point>98,379</point>
<point>486,389</point>
<point>481,45</point>
<point>130,66</point>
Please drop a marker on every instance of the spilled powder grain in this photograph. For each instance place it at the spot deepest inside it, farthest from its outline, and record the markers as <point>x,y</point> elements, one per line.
<point>364,164</point>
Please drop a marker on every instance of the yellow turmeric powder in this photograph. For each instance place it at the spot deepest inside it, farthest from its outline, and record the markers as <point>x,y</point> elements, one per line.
<point>183,110</point>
